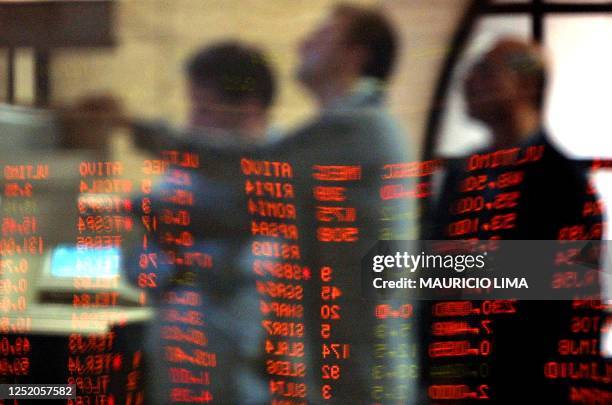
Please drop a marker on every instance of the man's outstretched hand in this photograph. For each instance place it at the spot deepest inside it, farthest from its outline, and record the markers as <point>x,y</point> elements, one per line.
<point>102,110</point>
<point>89,122</point>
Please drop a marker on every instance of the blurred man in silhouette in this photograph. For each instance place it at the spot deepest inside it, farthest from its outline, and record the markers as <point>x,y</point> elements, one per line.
<point>351,47</point>
<point>505,91</point>
<point>345,63</point>
<point>231,88</point>
<point>541,198</point>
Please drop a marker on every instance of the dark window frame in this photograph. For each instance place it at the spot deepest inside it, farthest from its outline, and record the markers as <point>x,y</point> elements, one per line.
<point>538,10</point>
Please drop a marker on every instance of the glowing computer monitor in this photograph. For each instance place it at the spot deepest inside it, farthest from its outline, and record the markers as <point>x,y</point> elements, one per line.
<point>67,270</point>
<point>69,261</point>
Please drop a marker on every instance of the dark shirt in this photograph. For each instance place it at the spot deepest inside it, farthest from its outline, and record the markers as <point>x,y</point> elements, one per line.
<point>550,205</point>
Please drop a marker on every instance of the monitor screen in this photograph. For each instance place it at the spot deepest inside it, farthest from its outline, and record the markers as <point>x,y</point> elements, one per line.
<point>69,261</point>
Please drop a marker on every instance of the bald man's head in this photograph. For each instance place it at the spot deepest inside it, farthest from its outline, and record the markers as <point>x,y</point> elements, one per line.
<point>510,77</point>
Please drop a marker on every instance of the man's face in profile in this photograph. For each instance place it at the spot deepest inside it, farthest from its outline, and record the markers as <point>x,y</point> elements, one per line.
<point>321,53</point>
<point>208,110</point>
<point>490,91</point>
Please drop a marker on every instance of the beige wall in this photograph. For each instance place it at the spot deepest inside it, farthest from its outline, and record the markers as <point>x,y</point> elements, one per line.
<point>155,37</point>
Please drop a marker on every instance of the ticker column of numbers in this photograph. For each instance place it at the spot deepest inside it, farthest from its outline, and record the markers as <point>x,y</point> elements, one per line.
<point>134,394</point>
<point>20,243</point>
<point>395,370</point>
<point>183,334</point>
<point>462,332</point>
<point>148,262</point>
<point>403,184</point>
<point>591,223</point>
<point>462,337</point>
<point>578,359</point>
<point>336,224</point>
<point>132,384</point>
<point>102,224</point>
<point>490,193</point>
<point>84,349</point>
<point>281,277</point>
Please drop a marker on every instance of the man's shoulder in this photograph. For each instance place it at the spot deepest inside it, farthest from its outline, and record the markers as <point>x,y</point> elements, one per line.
<point>358,131</point>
